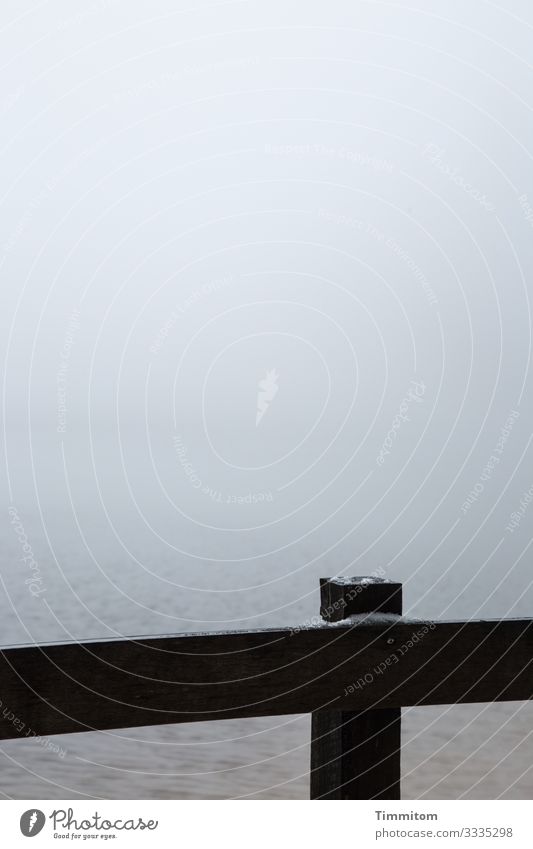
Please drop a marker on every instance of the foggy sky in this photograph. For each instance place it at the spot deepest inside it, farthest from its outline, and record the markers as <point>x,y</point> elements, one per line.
<point>340,193</point>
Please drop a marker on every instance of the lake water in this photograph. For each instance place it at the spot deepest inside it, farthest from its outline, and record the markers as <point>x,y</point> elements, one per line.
<point>103,576</point>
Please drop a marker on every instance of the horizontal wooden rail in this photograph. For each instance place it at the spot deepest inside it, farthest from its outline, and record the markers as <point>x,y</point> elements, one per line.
<point>377,661</point>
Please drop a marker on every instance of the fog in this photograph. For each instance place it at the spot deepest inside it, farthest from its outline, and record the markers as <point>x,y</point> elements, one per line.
<point>265,289</point>
<point>265,317</point>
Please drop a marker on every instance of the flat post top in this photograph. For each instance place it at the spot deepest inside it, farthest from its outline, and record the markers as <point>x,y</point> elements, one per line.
<point>344,597</point>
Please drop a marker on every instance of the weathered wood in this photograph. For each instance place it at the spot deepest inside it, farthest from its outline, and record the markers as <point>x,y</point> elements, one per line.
<point>70,687</point>
<point>344,597</point>
<point>357,754</point>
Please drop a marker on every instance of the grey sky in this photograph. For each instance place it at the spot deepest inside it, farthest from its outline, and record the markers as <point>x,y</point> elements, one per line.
<point>341,193</point>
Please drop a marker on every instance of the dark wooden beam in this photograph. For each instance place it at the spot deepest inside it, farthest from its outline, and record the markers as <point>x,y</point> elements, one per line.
<point>357,754</point>
<point>366,662</point>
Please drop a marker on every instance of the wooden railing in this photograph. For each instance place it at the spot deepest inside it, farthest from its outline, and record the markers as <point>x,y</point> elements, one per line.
<point>353,671</point>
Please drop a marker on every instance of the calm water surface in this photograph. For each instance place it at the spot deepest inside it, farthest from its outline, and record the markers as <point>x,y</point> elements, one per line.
<point>104,575</point>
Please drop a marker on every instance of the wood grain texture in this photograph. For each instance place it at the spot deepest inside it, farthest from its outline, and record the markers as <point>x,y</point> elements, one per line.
<point>124,683</point>
<point>357,754</point>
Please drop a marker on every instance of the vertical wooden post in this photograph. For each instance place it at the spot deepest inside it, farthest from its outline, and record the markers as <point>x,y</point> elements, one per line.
<point>356,755</point>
